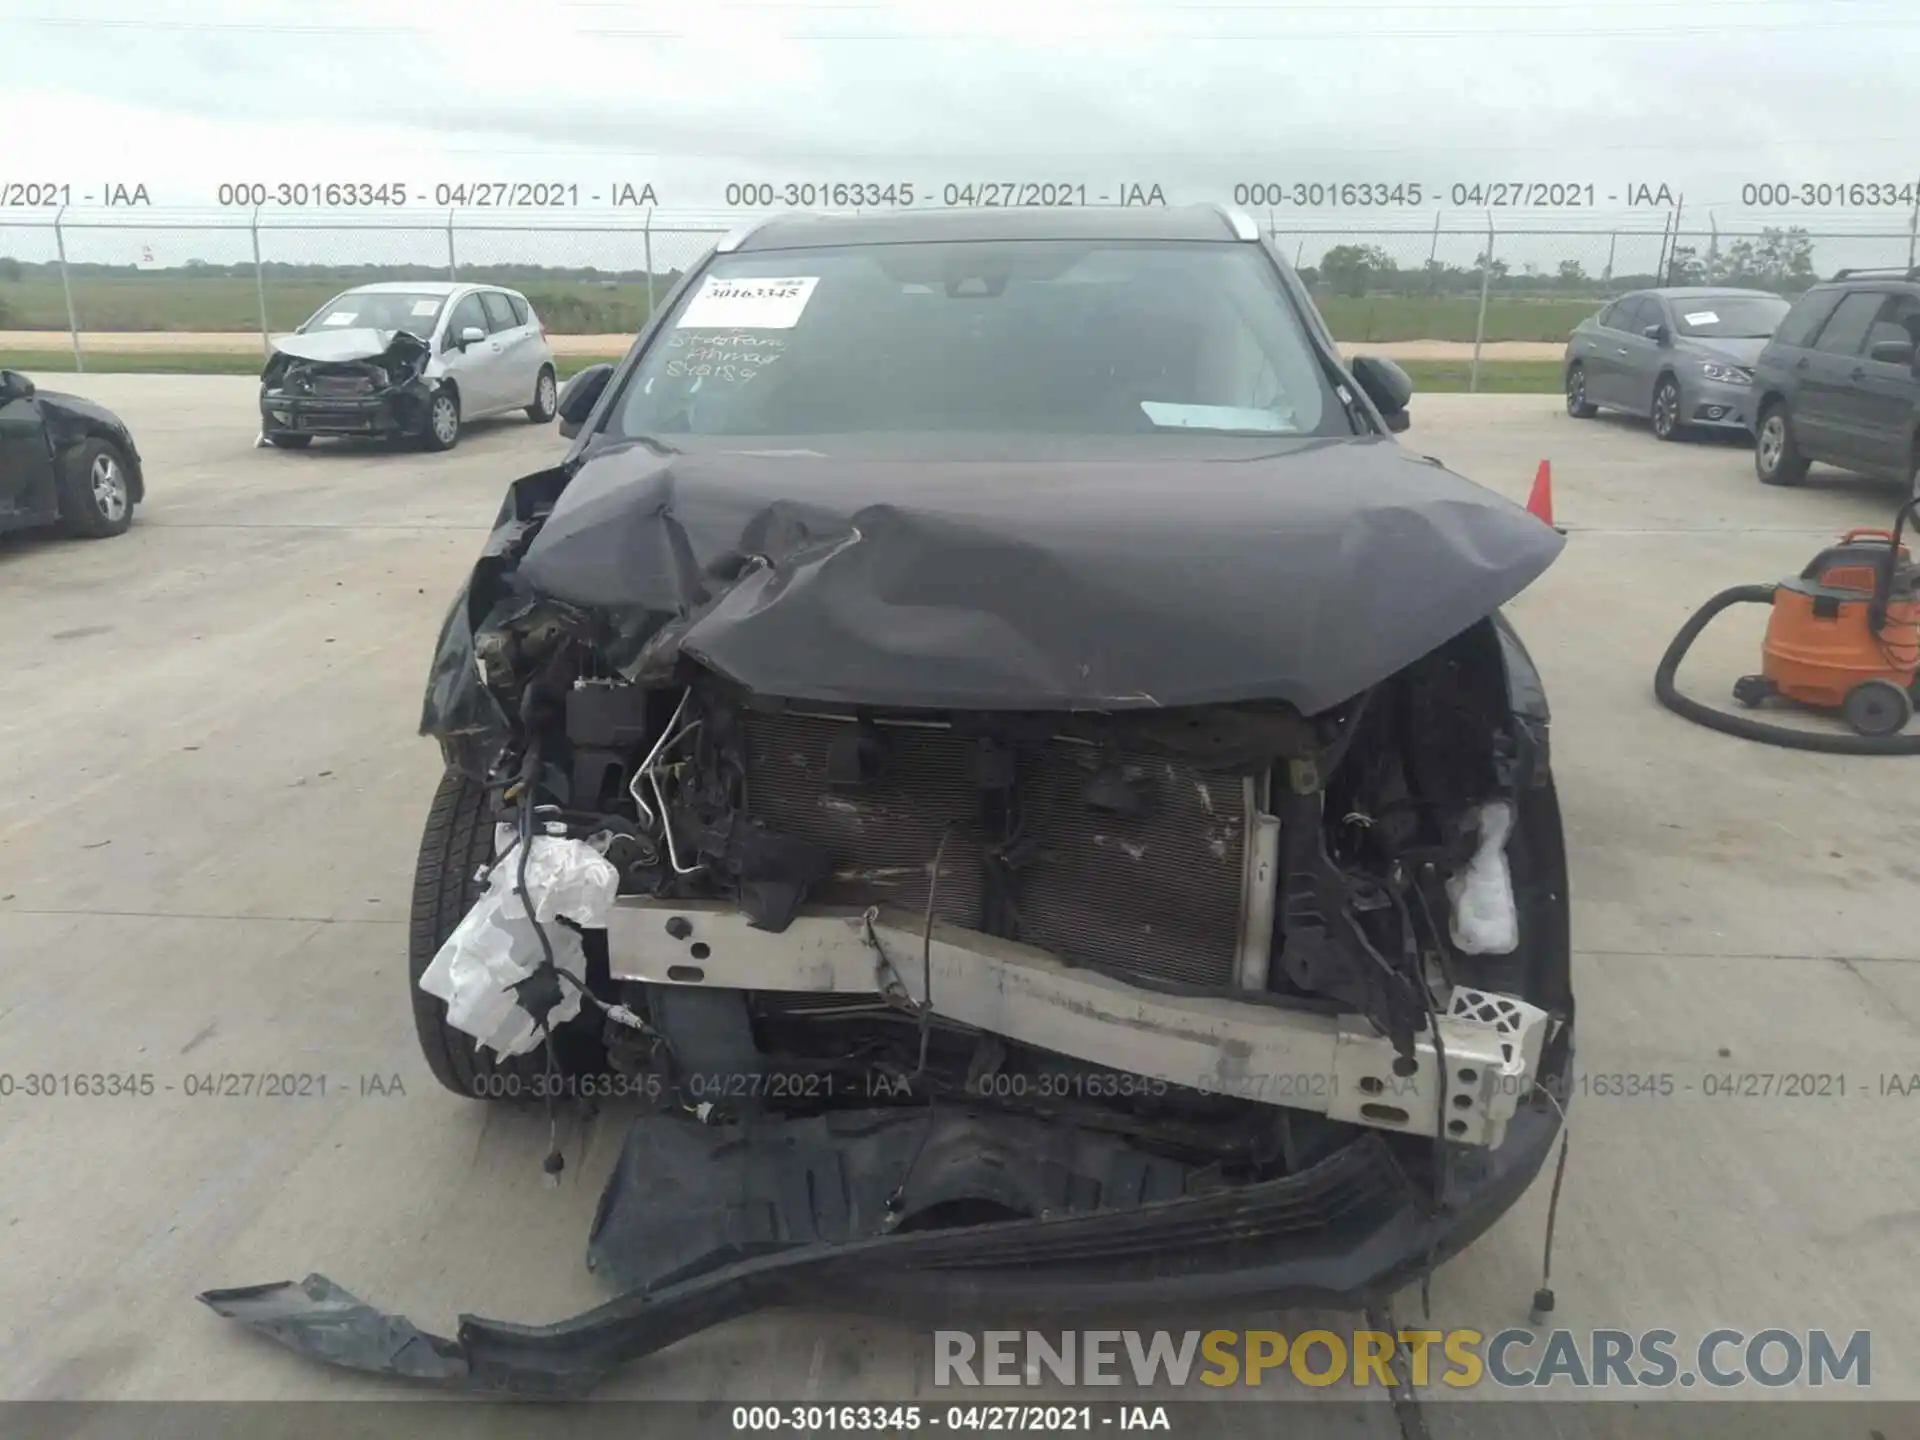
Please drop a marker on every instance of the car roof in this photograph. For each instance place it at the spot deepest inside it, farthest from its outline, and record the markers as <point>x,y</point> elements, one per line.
<point>1206,223</point>
<point>1701,292</point>
<point>422,287</point>
<point>407,287</point>
<point>1867,282</point>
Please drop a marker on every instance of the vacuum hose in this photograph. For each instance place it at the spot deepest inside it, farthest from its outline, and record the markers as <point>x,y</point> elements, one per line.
<point>1828,742</point>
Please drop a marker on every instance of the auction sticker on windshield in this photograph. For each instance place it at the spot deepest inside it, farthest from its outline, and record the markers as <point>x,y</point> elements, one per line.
<point>1703,317</point>
<point>748,304</point>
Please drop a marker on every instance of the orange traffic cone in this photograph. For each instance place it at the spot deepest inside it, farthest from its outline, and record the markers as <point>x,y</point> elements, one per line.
<point>1540,502</point>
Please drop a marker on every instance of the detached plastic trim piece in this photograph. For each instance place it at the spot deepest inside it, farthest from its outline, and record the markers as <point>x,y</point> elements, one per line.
<point>1202,1249</point>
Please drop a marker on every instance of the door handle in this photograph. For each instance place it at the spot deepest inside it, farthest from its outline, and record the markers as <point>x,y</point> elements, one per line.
<point>1621,351</point>
<point>1859,372</point>
<point>1803,365</point>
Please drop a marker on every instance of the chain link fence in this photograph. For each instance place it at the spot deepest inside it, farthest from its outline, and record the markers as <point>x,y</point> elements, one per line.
<point>229,285</point>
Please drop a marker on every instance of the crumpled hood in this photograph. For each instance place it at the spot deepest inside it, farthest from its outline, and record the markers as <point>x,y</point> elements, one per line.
<point>348,344</point>
<point>1300,570</point>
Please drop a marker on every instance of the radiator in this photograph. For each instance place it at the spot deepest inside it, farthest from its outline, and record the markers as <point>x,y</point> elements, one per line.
<point>882,837</point>
<point>1143,878</point>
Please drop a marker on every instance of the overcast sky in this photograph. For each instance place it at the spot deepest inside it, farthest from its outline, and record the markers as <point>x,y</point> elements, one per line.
<point>1704,96</point>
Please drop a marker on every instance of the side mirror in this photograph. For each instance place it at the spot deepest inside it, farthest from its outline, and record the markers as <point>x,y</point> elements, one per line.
<point>579,395</point>
<point>1892,352</point>
<point>1656,333</point>
<point>14,386</point>
<point>1387,385</point>
<point>472,335</point>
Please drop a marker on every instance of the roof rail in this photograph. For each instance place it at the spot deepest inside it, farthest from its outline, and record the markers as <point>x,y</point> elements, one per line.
<point>737,236</point>
<point>1897,272</point>
<point>1238,221</point>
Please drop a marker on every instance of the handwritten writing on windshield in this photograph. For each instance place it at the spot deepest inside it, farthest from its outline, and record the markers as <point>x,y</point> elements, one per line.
<point>723,356</point>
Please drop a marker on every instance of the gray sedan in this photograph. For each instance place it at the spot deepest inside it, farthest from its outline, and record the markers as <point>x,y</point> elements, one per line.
<point>1682,357</point>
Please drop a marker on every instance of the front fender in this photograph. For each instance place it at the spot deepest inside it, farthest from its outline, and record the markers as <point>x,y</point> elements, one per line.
<point>66,432</point>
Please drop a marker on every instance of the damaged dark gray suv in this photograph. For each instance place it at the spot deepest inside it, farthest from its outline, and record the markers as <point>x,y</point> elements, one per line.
<point>992,748</point>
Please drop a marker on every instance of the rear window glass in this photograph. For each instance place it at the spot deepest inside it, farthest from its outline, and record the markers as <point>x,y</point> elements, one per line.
<point>520,311</point>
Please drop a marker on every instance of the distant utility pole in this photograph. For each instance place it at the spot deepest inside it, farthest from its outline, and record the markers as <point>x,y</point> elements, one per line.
<point>1913,225</point>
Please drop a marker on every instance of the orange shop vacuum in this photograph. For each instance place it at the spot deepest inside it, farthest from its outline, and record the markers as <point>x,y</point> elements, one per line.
<point>1843,638</point>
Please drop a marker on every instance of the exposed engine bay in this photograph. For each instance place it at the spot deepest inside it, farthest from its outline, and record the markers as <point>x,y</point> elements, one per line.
<point>1219,859</point>
<point>348,382</point>
<point>986,900</point>
<point>1283,920</point>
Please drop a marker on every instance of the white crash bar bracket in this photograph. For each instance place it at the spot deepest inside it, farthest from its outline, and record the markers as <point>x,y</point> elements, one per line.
<point>1334,1065</point>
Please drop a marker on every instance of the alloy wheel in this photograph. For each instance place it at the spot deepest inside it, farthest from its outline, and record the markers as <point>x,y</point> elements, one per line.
<point>1773,441</point>
<point>109,488</point>
<point>1666,410</point>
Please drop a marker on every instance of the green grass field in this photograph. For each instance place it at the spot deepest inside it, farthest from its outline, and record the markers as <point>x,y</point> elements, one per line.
<point>578,307</point>
<point>1430,376</point>
<point>221,302</point>
<point>1497,377</point>
<point>1452,317</point>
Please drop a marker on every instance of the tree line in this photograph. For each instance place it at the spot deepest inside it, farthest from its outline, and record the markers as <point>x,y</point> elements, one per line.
<point>1776,259</point>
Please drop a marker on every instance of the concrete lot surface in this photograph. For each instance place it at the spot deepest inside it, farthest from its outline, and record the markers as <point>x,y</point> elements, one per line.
<point>211,792</point>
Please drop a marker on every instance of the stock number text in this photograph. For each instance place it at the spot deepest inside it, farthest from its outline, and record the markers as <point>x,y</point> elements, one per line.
<point>807,195</point>
<point>1856,194</point>
<point>340,194</point>
<point>1328,194</point>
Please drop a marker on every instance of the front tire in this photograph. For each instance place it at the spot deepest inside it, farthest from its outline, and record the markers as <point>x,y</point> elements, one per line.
<point>546,397</point>
<point>1666,409</point>
<point>95,491</point>
<point>456,844</point>
<point>1776,457</point>
<point>1578,406</point>
<point>443,420</point>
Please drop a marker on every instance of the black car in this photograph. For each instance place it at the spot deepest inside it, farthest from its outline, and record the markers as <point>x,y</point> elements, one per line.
<point>1070,825</point>
<point>1838,381</point>
<point>65,461</point>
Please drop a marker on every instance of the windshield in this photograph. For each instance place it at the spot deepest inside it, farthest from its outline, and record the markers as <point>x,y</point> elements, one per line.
<point>1009,337</point>
<point>379,310</point>
<point>1731,317</point>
